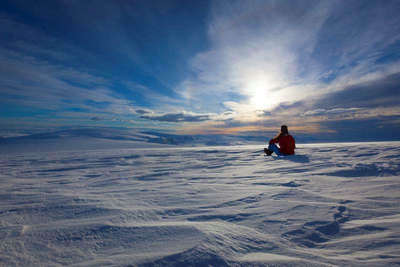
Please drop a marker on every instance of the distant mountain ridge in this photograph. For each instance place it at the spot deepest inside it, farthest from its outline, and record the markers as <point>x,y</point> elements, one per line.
<point>119,138</point>
<point>105,138</point>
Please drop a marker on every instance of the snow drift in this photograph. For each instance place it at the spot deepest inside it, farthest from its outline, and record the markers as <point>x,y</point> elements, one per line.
<point>331,204</point>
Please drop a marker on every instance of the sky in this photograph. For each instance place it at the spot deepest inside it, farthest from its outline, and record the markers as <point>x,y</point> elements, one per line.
<point>324,68</point>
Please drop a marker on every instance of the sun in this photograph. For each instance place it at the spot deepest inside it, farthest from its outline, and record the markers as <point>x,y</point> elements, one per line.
<point>260,94</point>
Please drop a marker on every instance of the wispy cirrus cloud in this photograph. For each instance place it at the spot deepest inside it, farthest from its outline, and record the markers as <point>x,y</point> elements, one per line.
<point>40,79</point>
<point>47,75</point>
<point>36,82</point>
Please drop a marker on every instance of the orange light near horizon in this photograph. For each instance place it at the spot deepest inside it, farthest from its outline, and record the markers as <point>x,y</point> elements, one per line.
<point>220,130</point>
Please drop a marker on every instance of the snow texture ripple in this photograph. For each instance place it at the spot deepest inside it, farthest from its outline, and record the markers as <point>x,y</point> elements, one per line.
<point>329,205</point>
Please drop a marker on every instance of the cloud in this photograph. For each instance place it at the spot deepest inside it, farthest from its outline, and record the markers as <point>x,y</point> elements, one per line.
<point>273,52</point>
<point>358,98</point>
<point>382,92</point>
<point>96,118</point>
<point>255,53</point>
<point>320,112</point>
<point>264,63</point>
<point>40,84</point>
<point>40,72</point>
<point>142,111</point>
<point>177,117</point>
<point>36,70</point>
<point>159,101</point>
<point>365,129</point>
<point>43,72</point>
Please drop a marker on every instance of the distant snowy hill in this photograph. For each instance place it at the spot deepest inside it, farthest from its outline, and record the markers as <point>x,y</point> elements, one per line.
<point>106,138</point>
<point>78,139</point>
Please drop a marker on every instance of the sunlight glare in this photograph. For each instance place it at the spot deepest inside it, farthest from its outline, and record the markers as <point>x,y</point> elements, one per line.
<point>260,97</point>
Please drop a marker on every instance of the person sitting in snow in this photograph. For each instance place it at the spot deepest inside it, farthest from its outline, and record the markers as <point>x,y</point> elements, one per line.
<point>286,142</point>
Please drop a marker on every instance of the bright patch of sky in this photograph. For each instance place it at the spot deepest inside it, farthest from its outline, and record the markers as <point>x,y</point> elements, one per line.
<point>200,66</point>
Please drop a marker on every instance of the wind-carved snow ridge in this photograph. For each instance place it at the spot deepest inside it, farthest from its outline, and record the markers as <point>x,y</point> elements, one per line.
<point>331,204</point>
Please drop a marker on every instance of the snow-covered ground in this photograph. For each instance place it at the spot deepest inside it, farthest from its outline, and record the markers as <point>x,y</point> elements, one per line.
<point>331,204</point>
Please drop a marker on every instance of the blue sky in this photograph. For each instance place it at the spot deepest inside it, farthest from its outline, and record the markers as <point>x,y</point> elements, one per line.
<point>202,67</point>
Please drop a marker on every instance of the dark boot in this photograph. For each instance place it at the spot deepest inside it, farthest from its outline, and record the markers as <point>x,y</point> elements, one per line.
<point>268,152</point>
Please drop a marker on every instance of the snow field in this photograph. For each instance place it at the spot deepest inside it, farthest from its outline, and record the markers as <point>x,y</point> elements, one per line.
<point>331,204</point>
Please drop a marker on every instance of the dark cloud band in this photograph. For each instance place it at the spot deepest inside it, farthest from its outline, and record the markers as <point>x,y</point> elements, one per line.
<point>177,117</point>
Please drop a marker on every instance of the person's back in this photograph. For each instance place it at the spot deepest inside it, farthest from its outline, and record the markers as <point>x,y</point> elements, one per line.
<point>287,144</point>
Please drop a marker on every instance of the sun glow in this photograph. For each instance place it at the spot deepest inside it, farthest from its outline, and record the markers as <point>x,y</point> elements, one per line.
<point>261,96</point>
<point>259,100</point>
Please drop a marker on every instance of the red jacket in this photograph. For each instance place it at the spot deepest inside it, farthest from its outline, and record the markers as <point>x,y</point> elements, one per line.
<point>287,144</point>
